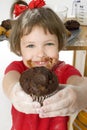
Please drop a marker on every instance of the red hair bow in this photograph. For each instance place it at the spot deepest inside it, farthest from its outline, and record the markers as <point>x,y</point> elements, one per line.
<point>18,9</point>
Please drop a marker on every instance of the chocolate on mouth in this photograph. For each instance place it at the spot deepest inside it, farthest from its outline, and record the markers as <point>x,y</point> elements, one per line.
<point>44,59</point>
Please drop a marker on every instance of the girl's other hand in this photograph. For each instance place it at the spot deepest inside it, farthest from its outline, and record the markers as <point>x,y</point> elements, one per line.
<point>64,103</point>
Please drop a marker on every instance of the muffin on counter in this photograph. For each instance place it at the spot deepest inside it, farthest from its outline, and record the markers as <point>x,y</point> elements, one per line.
<point>5,29</point>
<point>72,25</point>
<point>6,24</point>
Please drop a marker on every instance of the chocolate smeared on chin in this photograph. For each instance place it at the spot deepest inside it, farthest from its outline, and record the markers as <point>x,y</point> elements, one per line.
<point>29,62</point>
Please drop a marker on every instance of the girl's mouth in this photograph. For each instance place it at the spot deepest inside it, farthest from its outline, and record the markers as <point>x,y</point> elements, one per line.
<point>47,62</point>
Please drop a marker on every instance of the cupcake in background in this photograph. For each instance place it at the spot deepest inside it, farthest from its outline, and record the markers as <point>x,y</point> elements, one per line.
<point>5,29</point>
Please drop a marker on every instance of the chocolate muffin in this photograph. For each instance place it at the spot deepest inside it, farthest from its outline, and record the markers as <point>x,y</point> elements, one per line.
<point>39,82</point>
<point>72,25</point>
<point>6,24</point>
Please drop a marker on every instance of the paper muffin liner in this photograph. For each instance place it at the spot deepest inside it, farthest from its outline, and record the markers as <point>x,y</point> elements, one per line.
<point>40,99</point>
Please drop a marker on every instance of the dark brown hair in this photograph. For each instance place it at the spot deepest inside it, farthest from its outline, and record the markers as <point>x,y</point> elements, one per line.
<point>44,17</point>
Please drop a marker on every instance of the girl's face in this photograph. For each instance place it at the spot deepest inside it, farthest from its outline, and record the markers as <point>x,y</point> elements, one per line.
<point>39,48</point>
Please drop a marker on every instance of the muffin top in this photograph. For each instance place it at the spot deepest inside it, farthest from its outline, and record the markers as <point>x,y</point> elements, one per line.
<point>72,24</point>
<point>39,81</point>
<point>6,24</point>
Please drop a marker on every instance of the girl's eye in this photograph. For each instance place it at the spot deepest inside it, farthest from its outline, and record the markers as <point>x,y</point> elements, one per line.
<point>30,46</point>
<point>50,44</point>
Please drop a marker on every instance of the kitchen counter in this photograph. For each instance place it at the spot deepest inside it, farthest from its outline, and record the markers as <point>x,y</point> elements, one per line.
<point>79,43</point>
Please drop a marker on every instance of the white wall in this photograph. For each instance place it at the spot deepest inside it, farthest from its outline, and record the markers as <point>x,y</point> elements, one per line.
<point>4,9</point>
<point>6,4</point>
<point>6,57</point>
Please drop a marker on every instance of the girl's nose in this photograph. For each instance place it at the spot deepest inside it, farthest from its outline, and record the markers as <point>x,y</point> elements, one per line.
<point>41,52</point>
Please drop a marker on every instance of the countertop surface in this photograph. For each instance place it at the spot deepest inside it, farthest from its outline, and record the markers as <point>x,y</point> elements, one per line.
<point>79,42</point>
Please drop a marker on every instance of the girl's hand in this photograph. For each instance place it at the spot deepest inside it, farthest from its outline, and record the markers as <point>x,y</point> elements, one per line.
<point>63,103</point>
<point>22,101</point>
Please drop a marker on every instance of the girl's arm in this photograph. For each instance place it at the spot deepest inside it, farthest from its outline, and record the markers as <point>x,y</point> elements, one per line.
<point>9,80</point>
<point>19,99</point>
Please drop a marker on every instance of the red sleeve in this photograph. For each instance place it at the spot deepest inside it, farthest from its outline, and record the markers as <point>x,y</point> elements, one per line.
<point>65,71</point>
<point>16,65</point>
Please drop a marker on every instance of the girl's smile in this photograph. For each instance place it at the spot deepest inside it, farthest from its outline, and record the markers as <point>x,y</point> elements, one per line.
<point>47,62</point>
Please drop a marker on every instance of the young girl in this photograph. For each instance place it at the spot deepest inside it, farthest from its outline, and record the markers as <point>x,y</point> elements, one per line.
<point>37,35</point>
